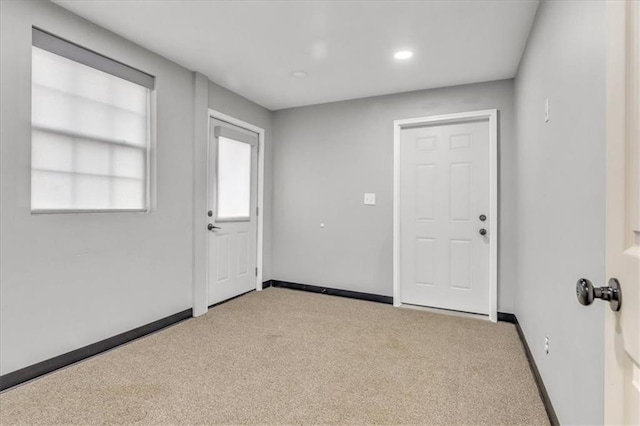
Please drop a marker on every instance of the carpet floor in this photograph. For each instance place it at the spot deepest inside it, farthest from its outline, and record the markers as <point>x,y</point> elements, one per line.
<point>288,357</point>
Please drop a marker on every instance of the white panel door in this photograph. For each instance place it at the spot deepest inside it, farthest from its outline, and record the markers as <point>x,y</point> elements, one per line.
<point>232,201</point>
<point>444,208</point>
<point>622,328</point>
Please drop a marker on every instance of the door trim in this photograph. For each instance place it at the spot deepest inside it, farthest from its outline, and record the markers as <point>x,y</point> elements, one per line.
<point>491,115</point>
<point>217,115</point>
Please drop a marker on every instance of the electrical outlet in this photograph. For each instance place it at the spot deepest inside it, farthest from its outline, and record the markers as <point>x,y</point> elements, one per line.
<point>546,345</point>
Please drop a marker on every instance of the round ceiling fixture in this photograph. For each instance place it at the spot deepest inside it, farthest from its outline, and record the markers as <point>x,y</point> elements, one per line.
<point>403,54</point>
<point>299,74</point>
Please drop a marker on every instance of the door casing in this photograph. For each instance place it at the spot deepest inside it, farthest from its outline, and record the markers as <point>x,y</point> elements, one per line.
<point>491,115</point>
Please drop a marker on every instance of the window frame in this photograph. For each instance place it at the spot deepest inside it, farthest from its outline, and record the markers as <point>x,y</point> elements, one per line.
<point>92,59</point>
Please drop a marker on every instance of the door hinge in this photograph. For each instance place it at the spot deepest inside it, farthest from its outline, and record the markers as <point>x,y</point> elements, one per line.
<point>257,211</point>
<point>256,272</point>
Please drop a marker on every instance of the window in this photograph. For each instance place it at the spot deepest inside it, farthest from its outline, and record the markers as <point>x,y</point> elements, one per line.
<point>234,179</point>
<point>90,130</point>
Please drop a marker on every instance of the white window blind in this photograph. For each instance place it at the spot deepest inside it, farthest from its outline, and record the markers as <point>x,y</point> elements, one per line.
<point>90,130</point>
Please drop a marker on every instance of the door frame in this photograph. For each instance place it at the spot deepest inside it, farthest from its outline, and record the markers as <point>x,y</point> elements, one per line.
<point>491,115</point>
<point>217,115</point>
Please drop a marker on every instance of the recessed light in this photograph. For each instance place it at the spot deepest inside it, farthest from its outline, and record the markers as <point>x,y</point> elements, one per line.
<point>403,54</point>
<point>299,74</point>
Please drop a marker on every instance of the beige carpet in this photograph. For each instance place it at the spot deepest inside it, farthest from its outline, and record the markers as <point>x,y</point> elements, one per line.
<point>283,356</point>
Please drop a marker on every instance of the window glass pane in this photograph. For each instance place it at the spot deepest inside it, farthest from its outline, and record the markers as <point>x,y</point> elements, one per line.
<point>233,179</point>
<point>92,192</point>
<point>51,189</point>
<point>128,162</point>
<point>127,193</point>
<point>50,151</point>
<point>92,157</point>
<point>90,133</point>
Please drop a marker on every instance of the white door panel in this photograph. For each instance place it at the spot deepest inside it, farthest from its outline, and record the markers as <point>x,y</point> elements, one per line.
<point>622,329</point>
<point>232,204</point>
<point>444,188</point>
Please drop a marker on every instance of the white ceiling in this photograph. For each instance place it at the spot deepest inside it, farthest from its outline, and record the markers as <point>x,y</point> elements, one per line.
<point>347,47</point>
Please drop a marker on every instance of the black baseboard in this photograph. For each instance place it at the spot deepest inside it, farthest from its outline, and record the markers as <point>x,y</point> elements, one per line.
<point>267,284</point>
<point>333,291</point>
<point>542,390</point>
<point>504,317</point>
<point>25,374</point>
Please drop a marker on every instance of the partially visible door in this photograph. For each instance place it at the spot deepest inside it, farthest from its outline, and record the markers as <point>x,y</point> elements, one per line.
<point>444,216</point>
<point>232,202</point>
<point>622,329</point>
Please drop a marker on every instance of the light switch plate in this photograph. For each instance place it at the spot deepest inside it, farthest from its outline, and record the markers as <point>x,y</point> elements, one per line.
<point>370,199</point>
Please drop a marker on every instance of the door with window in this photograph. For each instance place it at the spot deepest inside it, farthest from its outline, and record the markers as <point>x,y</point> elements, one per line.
<point>445,230</point>
<point>232,210</point>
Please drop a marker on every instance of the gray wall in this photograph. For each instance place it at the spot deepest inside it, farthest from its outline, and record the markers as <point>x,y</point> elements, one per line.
<point>327,156</point>
<point>560,202</point>
<point>68,280</point>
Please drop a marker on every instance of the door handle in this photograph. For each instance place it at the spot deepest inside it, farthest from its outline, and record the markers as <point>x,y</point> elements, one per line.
<point>586,293</point>
<point>483,232</point>
<point>212,228</point>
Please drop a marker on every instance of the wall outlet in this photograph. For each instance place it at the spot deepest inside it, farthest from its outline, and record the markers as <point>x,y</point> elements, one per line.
<point>546,345</point>
<point>546,110</point>
<point>370,199</point>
